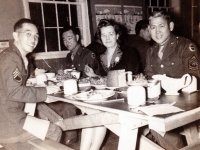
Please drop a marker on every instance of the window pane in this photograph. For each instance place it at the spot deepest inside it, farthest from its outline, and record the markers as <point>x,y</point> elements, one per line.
<point>40,46</point>
<point>36,13</point>
<point>52,39</point>
<point>167,3</point>
<point>63,15</point>
<point>74,15</point>
<point>162,3</point>
<point>154,3</point>
<point>49,15</point>
<point>61,41</point>
<point>164,9</point>
<point>156,9</point>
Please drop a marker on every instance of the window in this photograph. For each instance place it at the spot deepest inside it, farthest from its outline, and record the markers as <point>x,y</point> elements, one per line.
<point>157,5</point>
<point>52,15</point>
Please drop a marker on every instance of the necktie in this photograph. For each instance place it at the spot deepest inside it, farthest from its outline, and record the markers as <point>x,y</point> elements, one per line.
<point>160,52</point>
<point>72,56</point>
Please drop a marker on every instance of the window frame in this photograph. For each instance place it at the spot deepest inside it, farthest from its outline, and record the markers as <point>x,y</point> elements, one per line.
<point>158,6</point>
<point>85,37</point>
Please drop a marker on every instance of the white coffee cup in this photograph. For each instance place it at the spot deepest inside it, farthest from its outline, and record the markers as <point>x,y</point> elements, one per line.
<point>70,87</point>
<point>67,70</point>
<point>76,74</point>
<point>153,88</point>
<point>41,79</point>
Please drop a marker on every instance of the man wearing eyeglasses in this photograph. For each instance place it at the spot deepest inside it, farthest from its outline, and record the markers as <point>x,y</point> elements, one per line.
<point>13,90</point>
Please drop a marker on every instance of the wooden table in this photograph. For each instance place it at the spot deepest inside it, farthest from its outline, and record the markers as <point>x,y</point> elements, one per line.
<point>120,119</point>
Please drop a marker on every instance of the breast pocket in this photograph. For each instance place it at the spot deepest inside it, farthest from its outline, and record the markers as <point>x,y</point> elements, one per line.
<point>174,67</point>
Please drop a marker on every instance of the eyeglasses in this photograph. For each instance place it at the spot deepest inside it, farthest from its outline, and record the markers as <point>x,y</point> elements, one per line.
<point>29,35</point>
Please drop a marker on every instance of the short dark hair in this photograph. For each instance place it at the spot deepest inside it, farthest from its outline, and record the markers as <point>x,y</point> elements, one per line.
<point>162,14</point>
<point>105,23</point>
<point>20,23</point>
<point>74,29</point>
<point>142,24</point>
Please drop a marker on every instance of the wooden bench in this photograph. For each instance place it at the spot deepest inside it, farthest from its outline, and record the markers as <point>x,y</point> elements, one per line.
<point>48,145</point>
<point>37,144</point>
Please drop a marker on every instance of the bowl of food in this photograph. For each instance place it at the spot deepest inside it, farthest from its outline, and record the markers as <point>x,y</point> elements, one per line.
<point>50,75</point>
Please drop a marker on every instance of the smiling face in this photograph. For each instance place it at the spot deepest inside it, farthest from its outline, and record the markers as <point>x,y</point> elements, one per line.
<point>109,36</point>
<point>26,38</point>
<point>160,29</point>
<point>70,40</point>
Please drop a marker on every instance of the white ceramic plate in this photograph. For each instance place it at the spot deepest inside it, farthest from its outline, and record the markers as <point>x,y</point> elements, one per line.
<point>94,96</point>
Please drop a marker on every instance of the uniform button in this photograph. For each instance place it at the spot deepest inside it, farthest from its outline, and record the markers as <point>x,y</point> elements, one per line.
<point>79,65</point>
<point>162,66</point>
<point>172,63</point>
<point>151,65</point>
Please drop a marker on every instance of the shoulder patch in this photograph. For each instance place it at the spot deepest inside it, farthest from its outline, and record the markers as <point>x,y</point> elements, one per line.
<point>191,47</point>
<point>193,63</point>
<point>17,76</point>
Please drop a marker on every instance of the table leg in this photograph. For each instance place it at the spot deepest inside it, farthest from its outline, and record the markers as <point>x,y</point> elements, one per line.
<point>128,138</point>
<point>191,132</point>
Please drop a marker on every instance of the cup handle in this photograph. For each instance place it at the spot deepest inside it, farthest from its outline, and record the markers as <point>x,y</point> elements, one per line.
<point>188,80</point>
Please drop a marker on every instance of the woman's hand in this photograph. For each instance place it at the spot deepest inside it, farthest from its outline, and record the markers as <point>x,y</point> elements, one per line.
<point>89,71</point>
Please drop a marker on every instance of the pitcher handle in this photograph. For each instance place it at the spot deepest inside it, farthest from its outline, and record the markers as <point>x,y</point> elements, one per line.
<point>129,75</point>
<point>188,79</point>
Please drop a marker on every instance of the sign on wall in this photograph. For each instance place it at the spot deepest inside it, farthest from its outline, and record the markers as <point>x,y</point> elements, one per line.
<point>130,16</point>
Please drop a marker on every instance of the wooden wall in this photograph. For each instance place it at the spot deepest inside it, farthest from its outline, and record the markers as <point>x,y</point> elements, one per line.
<point>10,12</point>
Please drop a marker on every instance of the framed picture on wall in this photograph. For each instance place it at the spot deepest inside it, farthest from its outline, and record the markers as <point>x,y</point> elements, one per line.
<point>129,17</point>
<point>108,12</point>
<point>132,14</point>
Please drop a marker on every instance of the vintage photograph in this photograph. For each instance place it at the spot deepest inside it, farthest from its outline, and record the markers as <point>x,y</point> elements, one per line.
<point>100,75</point>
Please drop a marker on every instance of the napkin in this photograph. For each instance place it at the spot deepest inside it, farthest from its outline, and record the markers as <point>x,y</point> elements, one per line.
<point>159,109</point>
<point>36,127</point>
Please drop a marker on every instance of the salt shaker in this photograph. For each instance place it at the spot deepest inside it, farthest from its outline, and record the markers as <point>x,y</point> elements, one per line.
<point>136,95</point>
<point>70,87</point>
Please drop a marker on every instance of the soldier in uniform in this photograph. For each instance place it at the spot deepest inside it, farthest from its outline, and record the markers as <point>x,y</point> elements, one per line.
<point>13,90</point>
<point>170,55</point>
<point>173,56</point>
<point>79,57</point>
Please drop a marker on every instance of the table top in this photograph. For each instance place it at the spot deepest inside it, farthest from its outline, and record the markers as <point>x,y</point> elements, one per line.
<point>188,102</point>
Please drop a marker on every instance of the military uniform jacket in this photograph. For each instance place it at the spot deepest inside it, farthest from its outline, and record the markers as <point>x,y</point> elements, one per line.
<point>82,57</point>
<point>179,57</point>
<point>14,94</point>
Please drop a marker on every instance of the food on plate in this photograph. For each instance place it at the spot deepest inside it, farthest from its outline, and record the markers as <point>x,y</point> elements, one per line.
<point>93,80</point>
<point>95,95</point>
<point>64,76</point>
<point>140,78</point>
